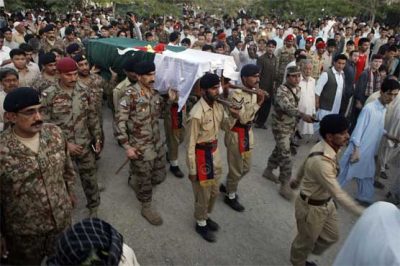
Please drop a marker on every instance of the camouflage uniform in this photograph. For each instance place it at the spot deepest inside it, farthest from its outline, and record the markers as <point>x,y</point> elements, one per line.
<point>119,91</point>
<point>138,127</point>
<point>284,120</point>
<point>41,83</point>
<point>239,140</point>
<point>75,113</point>
<point>45,46</point>
<point>285,56</point>
<point>174,125</point>
<point>35,194</point>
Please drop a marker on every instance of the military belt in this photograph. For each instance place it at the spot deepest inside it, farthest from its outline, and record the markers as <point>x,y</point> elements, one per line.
<point>313,201</point>
<point>207,145</point>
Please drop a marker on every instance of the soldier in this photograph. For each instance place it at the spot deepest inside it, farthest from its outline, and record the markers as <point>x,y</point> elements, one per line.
<point>205,120</point>
<point>316,215</point>
<point>175,134</point>
<point>49,40</point>
<point>284,122</point>
<point>285,55</point>
<point>139,134</point>
<point>318,60</point>
<point>49,75</point>
<point>36,181</point>
<point>69,106</point>
<point>239,140</point>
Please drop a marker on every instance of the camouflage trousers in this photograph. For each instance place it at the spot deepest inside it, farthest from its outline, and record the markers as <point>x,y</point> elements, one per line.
<point>30,249</point>
<point>146,174</point>
<point>174,137</point>
<point>238,164</point>
<point>281,156</point>
<point>86,164</point>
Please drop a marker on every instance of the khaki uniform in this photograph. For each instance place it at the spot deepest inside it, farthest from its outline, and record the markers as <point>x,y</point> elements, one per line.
<point>204,123</point>
<point>239,141</point>
<point>317,222</point>
<point>35,194</point>
<point>174,125</point>
<point>318,66</point>
<point>138,127</point>
<point>284,121</point>
<point>74,112</point>
<point>46,46</point>
<point>285,56</point>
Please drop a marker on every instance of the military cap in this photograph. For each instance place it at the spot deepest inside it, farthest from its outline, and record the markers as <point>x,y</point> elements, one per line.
<point>66,65</point>
<point>310,39</point>
<point>144,67</point>
<point>80,57</point>
<point>333,124</point>
<point>250,70</point>
<point>20,98</point>
<point>209,80</point>
<point>290,37</point>
<point>72,48</point>
<point>49,27</point>
<point>321,45</point>
<point>293,70</point>
<point>129,64</point>
<point>47,58</point>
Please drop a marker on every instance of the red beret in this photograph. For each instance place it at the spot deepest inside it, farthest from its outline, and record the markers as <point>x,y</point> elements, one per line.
<point>290,37</point>
<point>221,36</point>
<point>310,39</point>
<point>320,45</point>
<point>66,65</point>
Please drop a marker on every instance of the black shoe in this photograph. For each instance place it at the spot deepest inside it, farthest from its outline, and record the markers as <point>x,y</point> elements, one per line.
<point>222,188</point>
<point>213,226</point>
<point>310,263</point>
<point>205,233</point>
<point>378,184</point>
<point>166,157</point>
<point>176,171</point>
<point>234,204</point>
<point>383,175</point>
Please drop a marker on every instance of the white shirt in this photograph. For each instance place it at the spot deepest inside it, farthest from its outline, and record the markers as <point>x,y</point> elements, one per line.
<point>4,54</point>
<point>2,97</point>
<point>323,79</point>
<point>306,104</point>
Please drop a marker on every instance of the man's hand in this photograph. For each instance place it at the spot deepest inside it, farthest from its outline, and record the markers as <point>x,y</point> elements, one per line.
<point>261,96</point>
<point>173,94</point>
<point>97,147</point>
<point>307,118</point>
<point>133,153</point>
<point>234,112</point>
<point>114,75</point>
<point>94,70</point>
<point>3,248</point>
<point>359,105</point>
<point>393,138</point>
<point>355,156</point>
<point>192,178</point>
<point>294,184</point>
<point>74,149</point>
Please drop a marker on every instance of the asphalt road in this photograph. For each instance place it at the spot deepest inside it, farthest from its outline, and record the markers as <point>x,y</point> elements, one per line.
<point>259,236</point>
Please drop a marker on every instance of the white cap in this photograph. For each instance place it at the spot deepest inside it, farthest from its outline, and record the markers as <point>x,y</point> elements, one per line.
<point>16,24</point>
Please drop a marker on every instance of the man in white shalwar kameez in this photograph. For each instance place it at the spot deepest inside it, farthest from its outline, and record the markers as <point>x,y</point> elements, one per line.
<point>307,97</point>
<point>358,161</point>
<point>374,239</point>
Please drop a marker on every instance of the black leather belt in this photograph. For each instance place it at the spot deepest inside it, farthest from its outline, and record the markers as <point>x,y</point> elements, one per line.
<point>314,202</point>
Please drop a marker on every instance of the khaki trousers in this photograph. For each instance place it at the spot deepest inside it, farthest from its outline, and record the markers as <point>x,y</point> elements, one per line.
<point>317,228</point>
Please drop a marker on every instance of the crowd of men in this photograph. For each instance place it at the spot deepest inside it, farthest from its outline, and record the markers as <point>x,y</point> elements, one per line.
<point>319,81</point>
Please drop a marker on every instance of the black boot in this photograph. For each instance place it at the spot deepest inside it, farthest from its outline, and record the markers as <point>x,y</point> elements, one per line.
<point>234,204</point>
<point>205,233</point>
<point>176,171</point>
<point>213,226</point>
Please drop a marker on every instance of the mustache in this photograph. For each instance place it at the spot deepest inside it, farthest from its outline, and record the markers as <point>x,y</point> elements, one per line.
<point>152,82</point>
<point>37,123</point>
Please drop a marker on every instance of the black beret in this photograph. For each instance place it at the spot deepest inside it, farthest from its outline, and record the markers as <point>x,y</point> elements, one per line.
<point>73,47</point>
<point>249,70</point>
<point>21,98</point>
<point>49,27</point>
<point>69,30</point>
<point>129,64</point>
<point>209,80</point>
<point>47,58</point>
<point>333,124</point>
<point>79,57</point>
<point>144,67</point>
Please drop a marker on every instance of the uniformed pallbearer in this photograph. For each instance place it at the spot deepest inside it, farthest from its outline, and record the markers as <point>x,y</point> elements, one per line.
<point>36,181</point>
<point>205,120</point>
<point>69,106</point>
<point>284,121</point>
<point>239,140</point>
<point>316,215</point>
